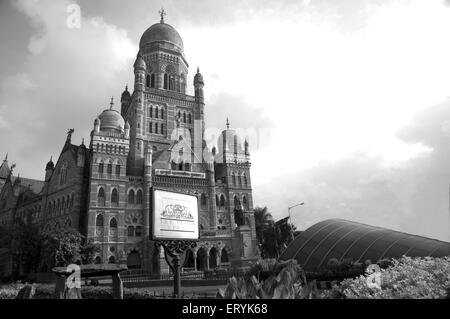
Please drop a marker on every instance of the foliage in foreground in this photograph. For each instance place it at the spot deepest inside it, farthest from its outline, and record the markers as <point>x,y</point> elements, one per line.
<point>270,279</point>
<point>406,278</point>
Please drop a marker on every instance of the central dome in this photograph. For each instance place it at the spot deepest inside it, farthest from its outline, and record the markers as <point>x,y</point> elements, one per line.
<point>161,32</point>
<point>111,120</point>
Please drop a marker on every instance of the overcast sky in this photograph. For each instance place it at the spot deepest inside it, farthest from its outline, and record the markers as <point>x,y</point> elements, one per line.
<point>350,98</point>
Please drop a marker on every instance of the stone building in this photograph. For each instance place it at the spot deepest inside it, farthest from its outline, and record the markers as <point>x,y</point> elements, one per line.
<point>156,140</point>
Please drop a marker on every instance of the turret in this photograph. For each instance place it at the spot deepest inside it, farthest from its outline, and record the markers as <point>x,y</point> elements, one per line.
<point>125,100</point>
<point>49,169</point>
<point>139,73</point>
<point>198,86</point>
<point>127,130</point>
<point>97,125</point>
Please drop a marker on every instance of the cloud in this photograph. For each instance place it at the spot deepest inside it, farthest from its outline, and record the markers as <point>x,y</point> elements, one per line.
<point>66,80</point>
<point>410,196</point>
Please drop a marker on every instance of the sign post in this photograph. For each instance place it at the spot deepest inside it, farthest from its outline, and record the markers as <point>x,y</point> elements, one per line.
<point>175,228</point>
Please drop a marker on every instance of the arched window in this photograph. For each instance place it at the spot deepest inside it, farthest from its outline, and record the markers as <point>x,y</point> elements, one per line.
<point>233,177</point>
<point>166,80</point>
<point>240,179</point>
<point>115,197</point>
<point>99,220</point>
<point>139,197</point>
<point>156,128</point>
<point>203,200</point>
<point>150,127</point>
<point>217,201</point>
<point>222,201</point>
<point>236,202</point>
<point>184,117</point>
<point>147,80</point>
<point>180,166</point>
<point>151,111</point>
<point>101,197</point>
<point>224,256</point>
<point>245,178</point>
<point>156,112</point>
<point>112,260</point>
<point>98,260</point>
<point>130,231</point>
<point>100,168</point>
<point>117,170</point>
<point>162,114</point>
<point>179,114</point>
<point>152,80</point>
<point>113,223</point>
<point>138,231</point>
<point>162,128</point>
<point>189,118</point>
<point>131,197</point>
<point>244,202</point>
<point>109,169</point>
<point>171,83</point>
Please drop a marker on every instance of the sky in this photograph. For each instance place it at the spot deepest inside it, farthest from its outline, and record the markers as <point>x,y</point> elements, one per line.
<point>346,103</point>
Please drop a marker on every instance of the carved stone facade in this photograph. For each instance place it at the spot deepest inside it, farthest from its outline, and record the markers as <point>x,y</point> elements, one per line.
<point>155,141</point>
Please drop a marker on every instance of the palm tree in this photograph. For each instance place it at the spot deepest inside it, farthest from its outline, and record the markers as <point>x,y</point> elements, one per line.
<point>265,232</point>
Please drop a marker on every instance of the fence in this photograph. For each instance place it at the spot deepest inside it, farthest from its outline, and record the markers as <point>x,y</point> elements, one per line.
<point>144,278</point>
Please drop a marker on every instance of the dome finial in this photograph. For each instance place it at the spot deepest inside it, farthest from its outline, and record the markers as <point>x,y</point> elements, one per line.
<point>162,14</point>
<point>228,124</point>
<point>198,70</point>
<point>111,103</point>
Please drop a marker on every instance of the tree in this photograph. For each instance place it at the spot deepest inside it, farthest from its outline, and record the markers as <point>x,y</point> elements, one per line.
<point>87,251</point>
<point>61,248</point>
<point>25,246</point>
<point>273,237</point>
<point>67,246</point>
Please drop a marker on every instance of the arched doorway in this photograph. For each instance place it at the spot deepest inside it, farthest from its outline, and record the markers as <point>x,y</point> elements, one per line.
<point>190,260</point>
<point>224,257</point>
<point>112,260</point>
<point>201,259</point>
<point>213,258</point>
<point>134,260</point>
<point>98,260</point>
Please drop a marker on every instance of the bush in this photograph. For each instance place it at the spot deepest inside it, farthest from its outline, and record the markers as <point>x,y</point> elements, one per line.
<point>269,279</point>
<point>406,278</point>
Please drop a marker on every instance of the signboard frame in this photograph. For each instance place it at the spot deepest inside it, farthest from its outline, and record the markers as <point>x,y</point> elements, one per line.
<point>154,216</point>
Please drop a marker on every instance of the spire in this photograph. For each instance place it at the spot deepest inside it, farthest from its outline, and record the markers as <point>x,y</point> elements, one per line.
<point>6,157</point>
<point>228,124</point>
<point>162,13</point>
<point>111,103</point>
<point>126,87</point>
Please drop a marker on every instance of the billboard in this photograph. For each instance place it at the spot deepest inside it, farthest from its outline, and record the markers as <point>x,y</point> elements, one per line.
<point>175,216</point>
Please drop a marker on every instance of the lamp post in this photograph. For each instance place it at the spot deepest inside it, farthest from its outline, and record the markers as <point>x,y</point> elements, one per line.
<point>289,212</point>
<point>289,209</point>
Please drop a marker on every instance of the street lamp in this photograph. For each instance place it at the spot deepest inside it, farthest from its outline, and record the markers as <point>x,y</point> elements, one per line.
<point>289,209</point>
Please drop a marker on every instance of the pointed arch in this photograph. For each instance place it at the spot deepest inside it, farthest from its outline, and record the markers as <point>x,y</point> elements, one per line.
<point>113,223</point>
<point>131,199</point>
<point>203,201</point>
<point>101,197</point>
<point>99,221</point>
<point>139,197</point>
<point>222,201</point>
<point>114,197</point>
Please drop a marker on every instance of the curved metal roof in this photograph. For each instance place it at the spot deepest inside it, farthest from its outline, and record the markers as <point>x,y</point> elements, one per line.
<point>342,239</point>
